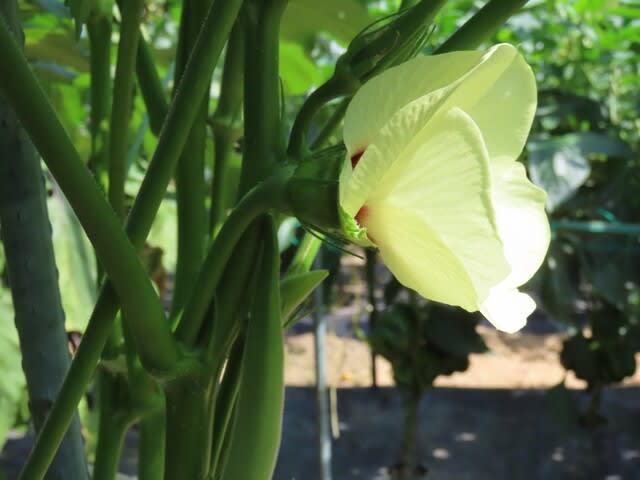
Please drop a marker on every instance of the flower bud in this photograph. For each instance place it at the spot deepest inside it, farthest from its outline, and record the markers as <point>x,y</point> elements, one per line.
<point>386,43</point>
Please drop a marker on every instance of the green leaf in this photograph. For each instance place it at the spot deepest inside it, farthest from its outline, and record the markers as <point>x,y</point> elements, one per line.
<point>12,382</point>
<point>561,165</point>
<point>342,19</point>
<point>297,71</point>
<point>55,46</point>
<point>164,231</point>
<point>578,355</point>
<point>75,260</point>
<point>294,289</point>
<point>558,167</point>
<point>556,283</point>
<point>453,331</point>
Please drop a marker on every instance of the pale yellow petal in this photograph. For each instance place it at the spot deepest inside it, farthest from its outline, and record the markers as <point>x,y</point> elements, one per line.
<point>381,97</point>
<point>521,219</point>
<point>500,95</point>
<point>497,89</point>
<point>508,309</point>
<point>398,132</point>
<point>439,184</point>
<point>418,258</point>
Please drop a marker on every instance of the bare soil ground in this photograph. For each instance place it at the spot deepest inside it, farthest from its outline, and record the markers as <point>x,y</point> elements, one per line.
<point>527,359</point>
<point>520,360</point>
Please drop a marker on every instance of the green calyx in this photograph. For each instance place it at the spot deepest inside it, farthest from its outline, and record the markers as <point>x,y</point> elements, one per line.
<point>313,193</point>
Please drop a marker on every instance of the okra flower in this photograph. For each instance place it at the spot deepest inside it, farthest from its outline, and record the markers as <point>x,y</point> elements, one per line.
<point>432,179</point>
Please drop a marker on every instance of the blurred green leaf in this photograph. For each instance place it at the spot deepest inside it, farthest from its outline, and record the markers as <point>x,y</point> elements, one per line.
<point>577,355</point>
<point>297,71</point>
<point>557,166</point>
<point>452,330</point>
<point>75,261</point>
<point>164,233</point>
<point>53,43</point>
<point>342,19</point>
<point>12,382</point>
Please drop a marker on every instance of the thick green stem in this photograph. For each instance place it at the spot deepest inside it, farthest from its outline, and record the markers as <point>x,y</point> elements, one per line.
<point>30,261</point>
<point>151,447</point>
<point>26,234</point>
<point>481,26</point>
<point>189,176</point>
<point>265,196</point>
<point>178,122</point>
<point>263,126</point>
<point>131,12</point>
<point>99,31</point>
<point>118,257</point>
<point>226,126</point>
<point>189,429</point>
<point>114,423</point>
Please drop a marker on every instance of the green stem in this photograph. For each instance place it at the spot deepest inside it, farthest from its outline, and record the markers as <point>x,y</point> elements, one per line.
<point>305,254</point>
<point>481,26</point>
<point>74,386</point>
<point>131,12</point>
<point>333,123</point>
<point>408,4</point>
<point>151,87</point>
<point>189,175</point>
<point>233,298</point>
<point>409,438</point>
<point>151,447</point>
<point>298,140</point>
<point>99,31</point>
<point>177,124</point>
<point>370,270</point>
<point>265,196</point>
<point>26,234</point>
<point>262,139</point>
<point>226,128</point>
<point>189,428</point>
<point>114,423</point>
<point>30,263</point>
<point>156,345</point>
<point>225,402</point>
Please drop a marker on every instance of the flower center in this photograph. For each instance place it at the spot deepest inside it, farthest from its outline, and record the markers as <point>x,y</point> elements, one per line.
<point>362,214</point>
<point>364,210</point>
<point>355,158</point>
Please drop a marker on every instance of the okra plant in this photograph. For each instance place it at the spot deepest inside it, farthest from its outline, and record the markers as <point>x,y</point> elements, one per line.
<point>427,173</point>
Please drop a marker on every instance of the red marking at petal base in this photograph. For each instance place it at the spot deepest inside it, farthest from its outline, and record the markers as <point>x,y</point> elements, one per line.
<point>356,158</point>
<point>362,214</point>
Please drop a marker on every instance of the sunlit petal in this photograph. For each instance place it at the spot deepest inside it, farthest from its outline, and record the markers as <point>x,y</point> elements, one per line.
<point>438,189</point>
<point>521,219</point>
<point>508,309</point>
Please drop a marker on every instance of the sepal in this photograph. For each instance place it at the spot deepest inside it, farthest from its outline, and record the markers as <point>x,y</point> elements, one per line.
<point>313,193</point>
